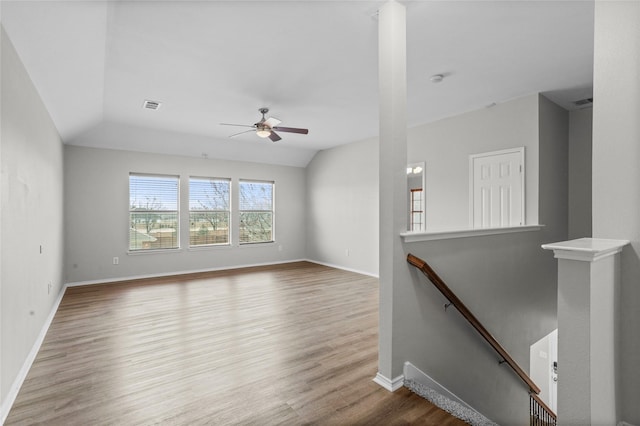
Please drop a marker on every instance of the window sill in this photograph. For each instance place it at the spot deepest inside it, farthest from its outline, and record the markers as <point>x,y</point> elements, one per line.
<point>206,247</point>
<point>260,244</point>
<point>412,237</point>
<point>155,251</point>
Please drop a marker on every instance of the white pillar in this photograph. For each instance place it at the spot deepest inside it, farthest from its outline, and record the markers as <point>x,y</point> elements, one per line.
<point>616,175</point>
<point>392,60</point>
<point>588,284</point>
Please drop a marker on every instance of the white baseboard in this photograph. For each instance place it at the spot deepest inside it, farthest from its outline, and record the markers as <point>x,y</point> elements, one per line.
<point>344,268</point>
<point>411,372</point>
<point>169,274</point>
<point>196,271</point>
<point>26,366</point>
<point>391,385</point>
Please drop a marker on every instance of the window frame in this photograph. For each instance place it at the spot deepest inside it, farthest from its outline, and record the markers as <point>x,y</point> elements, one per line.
<point>176,247</point>
<point>272,212</point>
<point>228,211</point>
<point>413,224</point>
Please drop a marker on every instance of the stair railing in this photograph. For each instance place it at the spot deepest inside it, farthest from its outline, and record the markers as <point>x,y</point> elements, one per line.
<point>542,414</point>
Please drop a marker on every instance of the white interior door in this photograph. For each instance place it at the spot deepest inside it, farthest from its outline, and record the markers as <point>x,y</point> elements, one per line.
<point>542,356</point>
<point>497,188</point>
<point>553,364</point>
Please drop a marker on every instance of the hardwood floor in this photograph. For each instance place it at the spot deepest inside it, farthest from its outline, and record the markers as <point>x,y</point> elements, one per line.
<point>286,344</point>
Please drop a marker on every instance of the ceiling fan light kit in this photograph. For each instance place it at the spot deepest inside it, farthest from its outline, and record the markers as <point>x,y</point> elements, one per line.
<point>265,128</point>
<point>263,132</point>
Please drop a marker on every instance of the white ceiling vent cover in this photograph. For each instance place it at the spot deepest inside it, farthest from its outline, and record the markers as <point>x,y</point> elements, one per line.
<point>152,105</point>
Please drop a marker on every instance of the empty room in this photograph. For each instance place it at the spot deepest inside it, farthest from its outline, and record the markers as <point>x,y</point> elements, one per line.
<point>319,212</point>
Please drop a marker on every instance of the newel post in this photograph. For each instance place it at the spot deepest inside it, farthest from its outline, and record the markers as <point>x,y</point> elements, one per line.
<point>588,287</point>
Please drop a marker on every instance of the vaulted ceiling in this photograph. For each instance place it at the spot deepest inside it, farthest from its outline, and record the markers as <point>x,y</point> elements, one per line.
<point>313,63</point>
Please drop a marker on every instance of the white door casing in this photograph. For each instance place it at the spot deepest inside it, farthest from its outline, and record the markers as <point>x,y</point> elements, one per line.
<point>496,189</point>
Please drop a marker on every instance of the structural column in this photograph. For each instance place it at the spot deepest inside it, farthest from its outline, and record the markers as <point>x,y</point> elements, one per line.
<point>392,74</point>
<point>616,175</point>
<point>588,286</point>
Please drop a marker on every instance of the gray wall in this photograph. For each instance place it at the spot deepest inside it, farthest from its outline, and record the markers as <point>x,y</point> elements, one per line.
<point>32,216</point>
<point>517,303</point>
<point>510,286</point>
<point>97,218</point>
<point>342,207</point>
<point>580,124</point>
<point>553,168</point>
<point>342,182</point>
<point>616,175</point>
<point>446,144</point>
<point>506,280</point>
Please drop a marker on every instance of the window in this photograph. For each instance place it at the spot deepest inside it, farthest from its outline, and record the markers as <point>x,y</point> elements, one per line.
<point>153,212</point>
<point>256,212</point>
<point>416,213</point>
<point>208,211</point>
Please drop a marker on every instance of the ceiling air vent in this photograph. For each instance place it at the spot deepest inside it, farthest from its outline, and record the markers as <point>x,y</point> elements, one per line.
<point>153,105</point>
<point>584,102</point>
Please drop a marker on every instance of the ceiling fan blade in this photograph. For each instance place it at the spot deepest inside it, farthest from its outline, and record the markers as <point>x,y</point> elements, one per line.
<point>274,137</point>
<point>236,134</point>
<point>272,122</point>
<point>291,130</point>
<point>238,125</point>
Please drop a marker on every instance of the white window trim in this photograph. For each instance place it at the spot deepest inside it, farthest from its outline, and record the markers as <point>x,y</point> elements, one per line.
<point>272,211</point>
<point>230,239</point>
<point>178,218</point>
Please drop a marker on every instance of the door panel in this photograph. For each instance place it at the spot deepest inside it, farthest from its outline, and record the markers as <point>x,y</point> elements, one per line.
<point>497,189</point>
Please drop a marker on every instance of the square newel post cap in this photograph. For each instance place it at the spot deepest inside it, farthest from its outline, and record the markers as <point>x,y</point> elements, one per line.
<point>586,249</point>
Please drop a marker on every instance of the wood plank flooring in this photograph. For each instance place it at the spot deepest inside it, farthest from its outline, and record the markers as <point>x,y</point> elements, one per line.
<point>288,344</point>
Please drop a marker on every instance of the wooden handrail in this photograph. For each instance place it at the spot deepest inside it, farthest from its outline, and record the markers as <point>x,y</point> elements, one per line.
<point>450,295</point>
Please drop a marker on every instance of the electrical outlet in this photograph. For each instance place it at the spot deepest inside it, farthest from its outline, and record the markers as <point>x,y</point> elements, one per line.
<point>116,261</point>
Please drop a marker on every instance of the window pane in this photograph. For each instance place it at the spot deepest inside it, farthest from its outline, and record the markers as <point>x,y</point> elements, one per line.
<point>256,212</point>
<point>416,213</point>
<point>153,212</point>
<point>153,192</point>
<point>208,194</point>
<point>209,228</point>
<point>256,227</point>
<point>209,211</point>
<point>149,230</point>
<point>256,196</point>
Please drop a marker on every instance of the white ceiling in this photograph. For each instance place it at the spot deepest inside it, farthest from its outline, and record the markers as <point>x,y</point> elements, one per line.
<point>314,63</point>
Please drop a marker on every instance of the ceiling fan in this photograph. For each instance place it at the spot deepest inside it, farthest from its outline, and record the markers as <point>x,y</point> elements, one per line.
<point>265,128</point>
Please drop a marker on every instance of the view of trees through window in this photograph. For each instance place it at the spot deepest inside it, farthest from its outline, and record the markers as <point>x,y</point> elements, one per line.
<point>209,211</point>
<point>256,212</point>
<point>153,212</point>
